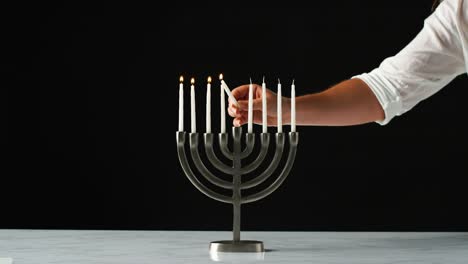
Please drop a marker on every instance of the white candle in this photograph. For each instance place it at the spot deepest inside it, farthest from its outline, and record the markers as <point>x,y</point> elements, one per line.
<point>192,97</point>
<point>223,107</point>
<point>280,108</point>
<point>181,104</point>
<point>293,107</point>
<point>250,113</point>
<point>228,91</point>
<point>208,106</point>
<point>264,107</point>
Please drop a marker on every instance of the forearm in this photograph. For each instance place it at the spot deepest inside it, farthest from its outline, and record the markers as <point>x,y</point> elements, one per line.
<point>348,103</point>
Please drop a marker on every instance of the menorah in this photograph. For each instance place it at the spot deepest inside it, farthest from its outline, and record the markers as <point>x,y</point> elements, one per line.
<point>237,171</point>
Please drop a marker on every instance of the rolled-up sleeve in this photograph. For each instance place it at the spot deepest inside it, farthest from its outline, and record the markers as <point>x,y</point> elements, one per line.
<point>426,65</point>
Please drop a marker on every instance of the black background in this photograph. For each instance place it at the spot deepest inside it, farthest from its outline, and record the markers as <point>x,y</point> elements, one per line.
<point>89,115</point>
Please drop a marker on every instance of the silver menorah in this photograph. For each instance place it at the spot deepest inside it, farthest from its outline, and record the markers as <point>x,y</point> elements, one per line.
<point>237,171</point>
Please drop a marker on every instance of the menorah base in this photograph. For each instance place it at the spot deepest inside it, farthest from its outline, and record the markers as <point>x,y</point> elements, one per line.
<point>244,246</point>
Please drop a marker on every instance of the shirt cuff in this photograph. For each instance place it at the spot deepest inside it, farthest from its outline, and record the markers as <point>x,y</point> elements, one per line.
<point>386,93</point>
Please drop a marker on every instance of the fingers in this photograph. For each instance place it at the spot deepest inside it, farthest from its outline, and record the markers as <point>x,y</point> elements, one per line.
<point>234,112</point>
<point>231,112</point>
<point>239,121</point>
<point>241,92</point>
<point>242,119</point>
<point>240,111</point>
<point>233,109</point>
<point>241,106</point>
<point>244,105</point>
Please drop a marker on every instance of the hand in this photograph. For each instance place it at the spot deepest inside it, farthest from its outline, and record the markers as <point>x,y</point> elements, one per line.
<point>240,113</point>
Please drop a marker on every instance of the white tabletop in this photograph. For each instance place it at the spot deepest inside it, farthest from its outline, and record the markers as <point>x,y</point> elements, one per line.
<point>63,246</point>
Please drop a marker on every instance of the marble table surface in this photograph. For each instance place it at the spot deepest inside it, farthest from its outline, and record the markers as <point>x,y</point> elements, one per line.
<point>83,246</point>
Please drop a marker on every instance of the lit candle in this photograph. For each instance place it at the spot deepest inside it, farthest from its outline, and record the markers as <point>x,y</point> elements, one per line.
<point>192,97</point>
<point>181,104</point>
<point>280,108</point>
<point>223,107</point>
<point>293,107</point>
<point>250,113</point>
<point>208,106</point>
<point>264,107</point>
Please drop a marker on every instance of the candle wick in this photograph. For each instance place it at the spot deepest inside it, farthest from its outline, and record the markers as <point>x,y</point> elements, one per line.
<point>250,80</point>
<point>279,82</point>
<point>263,79</point>
<point>294,81</point>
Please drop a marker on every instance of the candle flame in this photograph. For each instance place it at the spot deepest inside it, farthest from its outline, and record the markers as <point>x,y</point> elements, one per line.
<point>181,79</point>
<point>221,76</point>
<point>209,79</point>
<point>294,80</point>
<point>192,81</point>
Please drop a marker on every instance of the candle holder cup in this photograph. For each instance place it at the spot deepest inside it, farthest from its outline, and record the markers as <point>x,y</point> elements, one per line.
<point>236,171</point>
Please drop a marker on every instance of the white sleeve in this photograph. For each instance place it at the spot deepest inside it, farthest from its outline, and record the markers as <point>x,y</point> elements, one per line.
<point>432,60</point>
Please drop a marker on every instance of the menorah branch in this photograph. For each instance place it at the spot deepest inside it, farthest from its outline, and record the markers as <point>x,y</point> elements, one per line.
<point>271,168</point>
<point>212,156</point>
<point>265,143</point>
<point>293,141</point>
<point>191,176</point>
<point>249,142</point>
<point>202,168</point>
<point>223,145</point>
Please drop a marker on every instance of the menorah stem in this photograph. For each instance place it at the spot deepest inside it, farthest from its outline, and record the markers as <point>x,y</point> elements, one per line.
<point>237,210</point>
<point>237,182</point>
